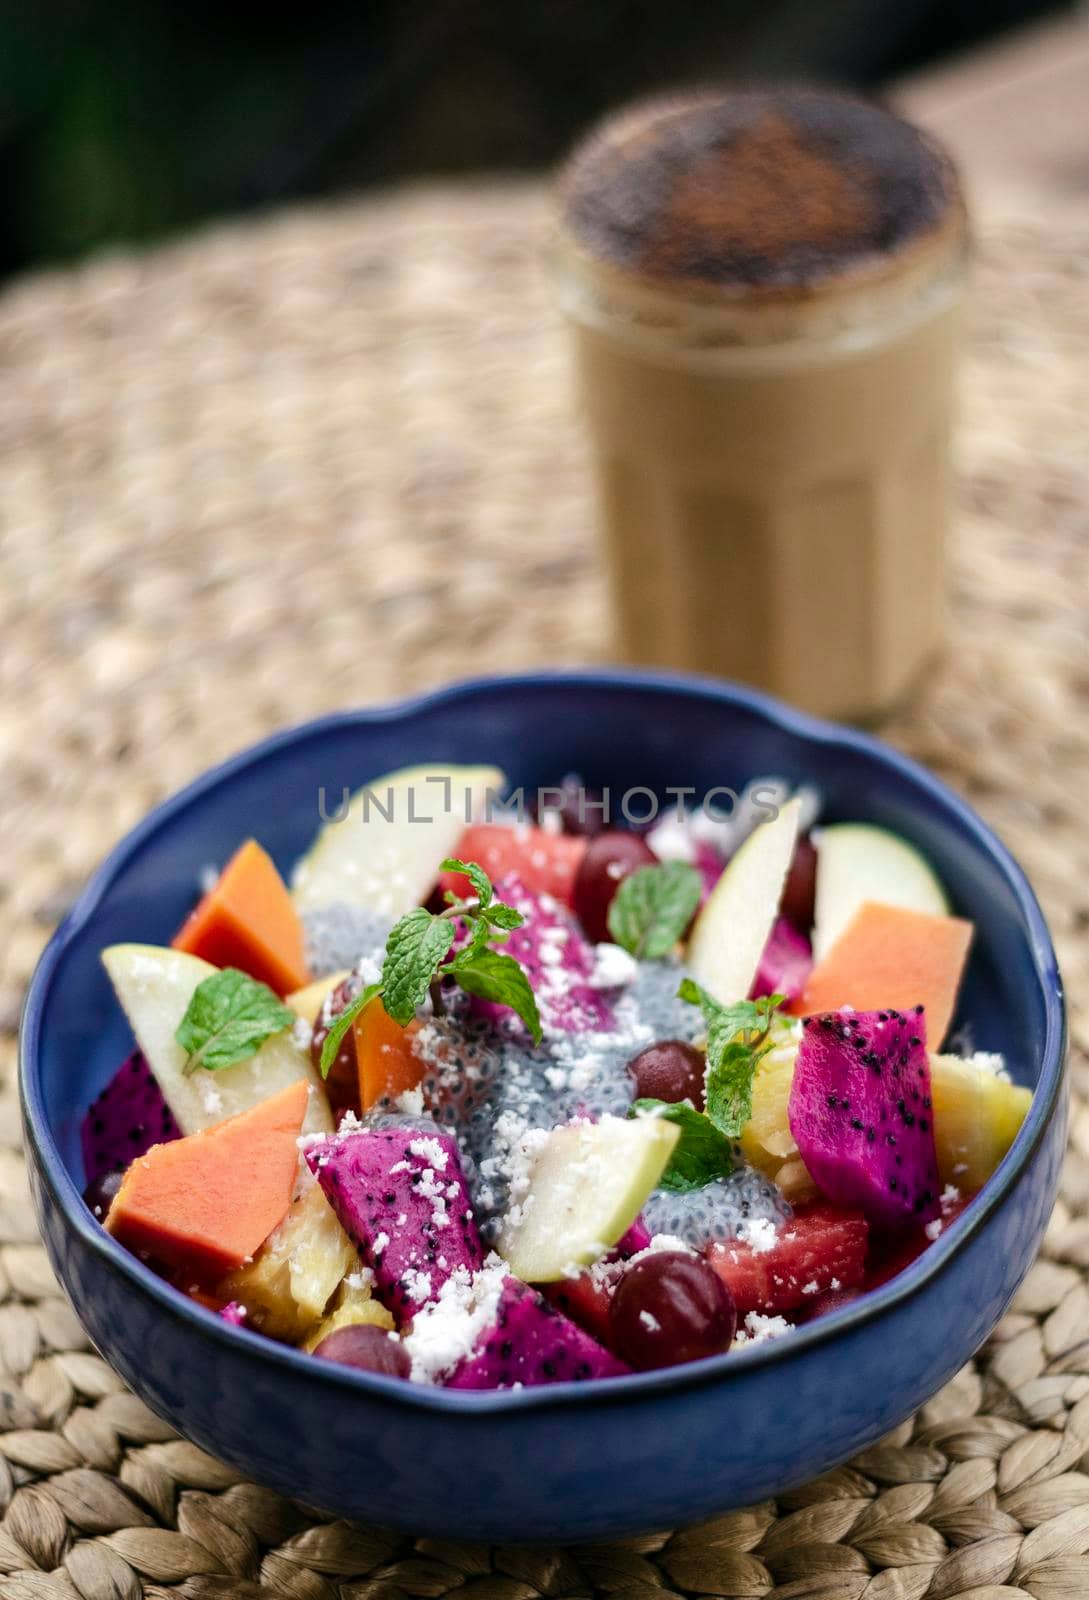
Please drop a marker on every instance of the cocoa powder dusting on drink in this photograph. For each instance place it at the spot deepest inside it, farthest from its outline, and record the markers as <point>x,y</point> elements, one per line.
<point>783,187</point>
<point>767,190</point>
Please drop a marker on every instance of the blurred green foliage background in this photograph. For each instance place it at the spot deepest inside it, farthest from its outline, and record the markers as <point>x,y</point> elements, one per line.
<point>127,119</point>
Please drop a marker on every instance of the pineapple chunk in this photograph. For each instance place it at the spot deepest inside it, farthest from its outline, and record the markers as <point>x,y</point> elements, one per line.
<point>766,1139</point>
<point>795,1182</point>
<point>355,1304</point>
<point>977,1115</point>
<point>295,1274</point>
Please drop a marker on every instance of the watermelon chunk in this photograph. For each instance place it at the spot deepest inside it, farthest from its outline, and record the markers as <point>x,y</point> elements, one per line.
<point>545,862</point>
<point>889,1254</point>
<point>585,1300</point>
<point>819,1249</point>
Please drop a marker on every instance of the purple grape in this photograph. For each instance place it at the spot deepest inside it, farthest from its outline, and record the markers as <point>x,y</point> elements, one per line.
<point>578,810</point>
<point>669,1308</point>
<point>669,1070</point>
<point>368,1347</point>
<point>99,1193</point>
<point>608,861</point>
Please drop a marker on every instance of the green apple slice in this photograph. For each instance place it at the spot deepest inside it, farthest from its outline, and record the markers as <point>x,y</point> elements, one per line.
<point>856,862</point>
<point>732,929</point>
<point>154,985</point>
<point>587,1185</point>
<point>384,854</point>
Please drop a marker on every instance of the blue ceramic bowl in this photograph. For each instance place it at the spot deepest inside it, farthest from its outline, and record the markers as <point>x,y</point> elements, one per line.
<point>570,1462</point>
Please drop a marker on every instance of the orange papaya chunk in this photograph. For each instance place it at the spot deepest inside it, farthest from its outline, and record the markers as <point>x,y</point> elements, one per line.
<point>248,920</point>
<point>889,959</point>
<point>385,1060</point>
<point>204,1204</point>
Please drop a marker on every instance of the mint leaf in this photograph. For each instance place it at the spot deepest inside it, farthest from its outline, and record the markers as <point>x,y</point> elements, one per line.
<point>228,1019</point>
<point>502,916</point>
<point>737,1041</point>
<point>415,949</point>
<point>482,884</point>
<point>342,1022</point>
<point>701,1154</point>
<point>492,976</point>
<point>653,906</point>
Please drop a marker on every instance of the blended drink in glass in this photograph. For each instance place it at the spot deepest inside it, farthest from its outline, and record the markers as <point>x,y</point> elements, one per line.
<point>765,289</point>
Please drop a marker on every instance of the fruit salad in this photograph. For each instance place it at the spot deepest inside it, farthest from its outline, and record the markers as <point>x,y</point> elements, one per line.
<point>491,1102</point>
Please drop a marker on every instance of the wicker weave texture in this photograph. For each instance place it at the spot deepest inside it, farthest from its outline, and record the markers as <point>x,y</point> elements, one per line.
<point>330,458</point>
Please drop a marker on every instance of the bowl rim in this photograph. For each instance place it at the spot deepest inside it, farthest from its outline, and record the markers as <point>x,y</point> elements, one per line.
<point>204,1323</point>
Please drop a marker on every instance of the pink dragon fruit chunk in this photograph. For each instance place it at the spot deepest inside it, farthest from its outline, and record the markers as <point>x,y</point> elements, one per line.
<point>860,1112</point>
<point>129,1116</point>
<point>637,1238</point>
<point>709,864</point>
<point>233,1313</point>
<point>785,964</point>
<point>400,1196</point>
<point>560,962</point>
<point>532,1343</point>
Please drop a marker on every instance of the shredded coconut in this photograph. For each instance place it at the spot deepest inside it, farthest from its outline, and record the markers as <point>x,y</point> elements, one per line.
<point>759,1329</point>
<point>613,968</point>
<point>672,839</point>
<point>302,1033</point>
<point>933,1229</point>
<point>430,1150</point>
<point>448,1330</point>
<point>369,969</point>
<point>759,1233</point>
<point>417,1285</point>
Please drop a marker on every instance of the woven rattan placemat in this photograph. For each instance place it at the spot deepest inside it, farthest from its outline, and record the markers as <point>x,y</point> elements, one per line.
<point>328,458</point>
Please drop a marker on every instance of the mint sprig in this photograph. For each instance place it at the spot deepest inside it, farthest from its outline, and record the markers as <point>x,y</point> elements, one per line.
<point>415,950</point>
<point>700,1155</point>
<point>416,957</point>
<point>653,906</point>
<point>738,1038</point>
<point>228,1019</point>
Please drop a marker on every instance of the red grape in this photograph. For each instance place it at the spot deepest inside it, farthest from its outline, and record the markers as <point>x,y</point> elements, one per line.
<point>669,1070</point>
<point>366,1346</point>
<point>608,860</point>
<point>342,1084</point>
<point>671,1307</point>
<point>99,1193</point>
<point>800,888</point>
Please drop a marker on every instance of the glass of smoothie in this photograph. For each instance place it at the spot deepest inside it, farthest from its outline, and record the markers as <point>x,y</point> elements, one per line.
<point>765,289</point>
